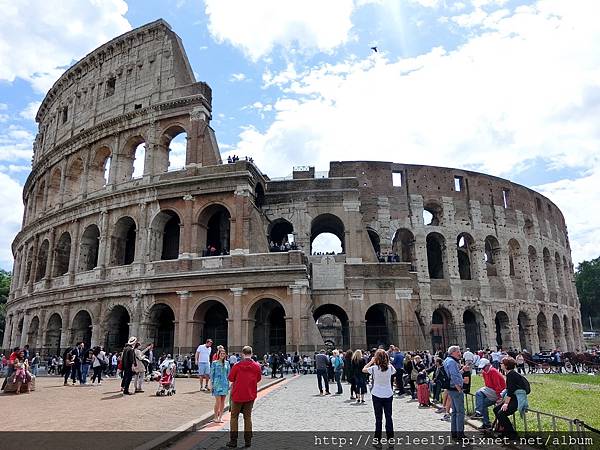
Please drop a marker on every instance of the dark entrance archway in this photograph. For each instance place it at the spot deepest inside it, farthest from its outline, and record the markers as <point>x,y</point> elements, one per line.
<point>472,331</point>
<point>503,338</point>
<point>82,329</point>
<point>542,329</point>
<point>332,322</point>
<point>441,321</point>
<point>214,230</point>
<point>53,334</point>
<point>279,231</point>
<point>381,326</point>
<point>211,321</point>
<point>436,258</point>
<point>524,329</point>
<point>165,231</point>
<point>161,328</point>
<point>269,327</point>
<point>117,329</point>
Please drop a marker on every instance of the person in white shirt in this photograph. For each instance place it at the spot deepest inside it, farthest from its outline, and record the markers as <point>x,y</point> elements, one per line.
<point>382,394</point>
<point>496,358</point>
<point>203,362</point>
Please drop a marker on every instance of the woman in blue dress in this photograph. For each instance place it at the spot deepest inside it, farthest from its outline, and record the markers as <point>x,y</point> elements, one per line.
<point>219,371</point>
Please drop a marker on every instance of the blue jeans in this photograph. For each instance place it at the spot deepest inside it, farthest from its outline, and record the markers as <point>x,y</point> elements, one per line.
<point>482,403</point>
<point>338,377</point>
<point>85,368</point>
<point>457,422</point>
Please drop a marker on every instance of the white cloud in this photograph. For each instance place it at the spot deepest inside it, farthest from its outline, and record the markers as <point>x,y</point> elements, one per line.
<point>257,27</point>
<point>30,110</point>
<point>15,144</point>
<point>36,42</point>
<point>237,77</point>
<point>11,214</point>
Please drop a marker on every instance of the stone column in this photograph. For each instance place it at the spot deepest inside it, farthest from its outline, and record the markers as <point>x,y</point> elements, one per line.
<point>6,341</point>
<point>298,293</point>
<point>25,331</point>
<point>239,240</point>
<point>184,299</point>
<point>289,331</point>
<point>142,244</point>
<point>41,330</point>
<point>104,240</point>
<point>65,332</point>
<point>186,245</point>
<point>16,269</point>
<point>61,189</point>
<point>50,258</point>
<point>34,257</point>
<point>74,252</point>
<point>236,343</point>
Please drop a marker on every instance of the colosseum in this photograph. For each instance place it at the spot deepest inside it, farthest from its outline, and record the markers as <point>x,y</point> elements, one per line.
<point>116,241</point>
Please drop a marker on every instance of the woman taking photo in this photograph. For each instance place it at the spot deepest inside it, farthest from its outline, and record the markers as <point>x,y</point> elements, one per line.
<point>360,381</point>
<point>382,394</point>
<point>219,371</point>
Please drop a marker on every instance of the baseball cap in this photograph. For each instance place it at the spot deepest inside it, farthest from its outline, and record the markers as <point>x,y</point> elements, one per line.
<point>483,362</point>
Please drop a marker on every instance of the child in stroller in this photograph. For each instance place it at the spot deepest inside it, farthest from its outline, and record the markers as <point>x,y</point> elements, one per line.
<point>166,377</point>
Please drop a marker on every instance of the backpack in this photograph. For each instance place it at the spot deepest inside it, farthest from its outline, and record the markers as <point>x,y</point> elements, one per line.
<point>526,384</point>
<point>338,363</point>
<point>443,378</point>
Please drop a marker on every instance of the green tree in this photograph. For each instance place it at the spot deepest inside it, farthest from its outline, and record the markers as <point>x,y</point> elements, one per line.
<point>5,278</point>
<point>587,280</point>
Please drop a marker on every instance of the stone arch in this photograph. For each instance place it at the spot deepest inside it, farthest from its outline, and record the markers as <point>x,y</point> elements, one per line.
<point>116,326</point>
<point>279,232</point>
<point>403,245</point>
<point>503,334</point>
<point>131,160</point>
<point>375,240</point>
<point>29,266</point>
<point>259,195</point>
<point>516,265</point>
<point>433,213</point>
<point>269,331</point>
<point>73,177</point>
<point>165,232</point>
<point>568,335</point>
<point>174,142</point>
<point>327,224</point>
<point>34,329</point>
<point>39,197</point>
<point>492,256</point>
<point>53,333</point>
<point>534,268</point>
<point>211,322</point>
<point>441,329</point>
<point>464,251</point>
<point>524,327</point>
<point>548,269</point>
<point>123,242</point>
<point>215,229</point>
<point>88,248</point>
<point>161,328</point>
<point>42,260</point>
<point>53,198</point>
<point>437,258</point>
<point>81,328</point>
<point>556,330</point>
<point>472,322</point>
<point>333,324</point>
<point>100,167</point>
<point>542,329</point>
<point>19,334</point>
<point>62,254</point>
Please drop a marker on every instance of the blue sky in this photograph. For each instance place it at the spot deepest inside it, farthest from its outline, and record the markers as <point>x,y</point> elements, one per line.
<point>511,88</point>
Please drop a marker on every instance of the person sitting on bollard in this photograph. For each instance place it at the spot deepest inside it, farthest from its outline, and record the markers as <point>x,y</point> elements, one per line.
<point>488,395</point>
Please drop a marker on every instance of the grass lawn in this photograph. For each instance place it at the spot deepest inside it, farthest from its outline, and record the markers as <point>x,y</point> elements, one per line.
<point>571,396</point>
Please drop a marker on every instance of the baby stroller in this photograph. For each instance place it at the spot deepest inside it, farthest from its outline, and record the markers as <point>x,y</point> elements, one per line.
<point>166,382</point>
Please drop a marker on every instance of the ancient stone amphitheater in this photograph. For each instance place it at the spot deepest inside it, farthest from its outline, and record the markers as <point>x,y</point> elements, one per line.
<point>116,243</point>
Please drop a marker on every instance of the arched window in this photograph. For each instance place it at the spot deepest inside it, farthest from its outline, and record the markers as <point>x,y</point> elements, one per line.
<point>215,228</point>
<point>259,195</point>
<point>39,198</point>
<point>375,241</point>
<point>403,245</point>
<point>268,334</point>
<point>54,188</point>
<point>281,237</point>
<point>62,255</point>
<point>534,270</point>
<point>332,322</point>
<point>82,329</point>
<point>327,235</point>
<point>161,328</point>
<point>117,329</point>
<point>73,178</point>
<point>29,268</point>
<point>464,245</point>
<point>503,336</point>
<point>515,260</point>
<point>174,142</point>
<point>165,231</point>
<point>492,254</point>
<point>432,213</point>
<point>88,248</point>
<point>542,327</point>
<point>100,169</point>
<point>42,260</point>
<point>436,256</point>
<point>132,159</point>
<point>559,274</point>
<point>123,242</point>
<point>380,322</point>
<point>441,329</point>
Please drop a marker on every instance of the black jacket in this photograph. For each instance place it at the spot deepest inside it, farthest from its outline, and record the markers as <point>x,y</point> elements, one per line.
<point>128,358</point>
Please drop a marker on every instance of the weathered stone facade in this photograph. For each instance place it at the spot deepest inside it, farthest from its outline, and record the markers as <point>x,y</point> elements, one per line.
<point>104,253</point>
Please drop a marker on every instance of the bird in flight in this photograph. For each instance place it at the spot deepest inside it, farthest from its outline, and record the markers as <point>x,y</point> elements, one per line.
<point>374,49</point>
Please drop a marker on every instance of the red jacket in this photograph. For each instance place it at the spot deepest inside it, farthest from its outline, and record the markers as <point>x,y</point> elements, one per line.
<point>245,376</point>
<point>494,379</point>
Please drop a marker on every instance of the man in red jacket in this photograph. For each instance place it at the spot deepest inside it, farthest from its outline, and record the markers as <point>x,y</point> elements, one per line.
<point>245,376</point>
<point>490,394</point>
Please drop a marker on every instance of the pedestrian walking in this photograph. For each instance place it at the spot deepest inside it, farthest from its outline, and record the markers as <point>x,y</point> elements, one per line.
<point>219,371</point>
<point>360,380</point>
<point>127,362</point>
<point>245,377</point>
<point>321,362</point>
<point>98,364</point>
<point>202,359</point>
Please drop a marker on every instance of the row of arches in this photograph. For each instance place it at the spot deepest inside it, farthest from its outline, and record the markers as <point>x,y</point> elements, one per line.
<point>104,165</point>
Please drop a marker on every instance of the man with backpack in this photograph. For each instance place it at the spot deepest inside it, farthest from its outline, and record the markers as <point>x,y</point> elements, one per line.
<point>490,394</point>
<point>338,367</point>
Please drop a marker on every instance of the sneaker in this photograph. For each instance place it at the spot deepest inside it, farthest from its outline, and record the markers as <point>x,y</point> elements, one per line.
<point>440,410</point>
<point>485,427</point>
<point>476,415</point>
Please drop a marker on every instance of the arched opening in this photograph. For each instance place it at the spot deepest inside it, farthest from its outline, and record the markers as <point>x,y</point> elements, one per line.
<point>138,162</point>
<point>73,178</point>
<point>161,328</point>
<point>524,325</point>
<point>568,336</point>
<point>549,270</point>
<point>165,231</point>
<point>556,330</point>
<point>117,329</point>
<point>34,329</point>
<point>42,260</point>
<point>29,266</point>
<point>19,331</point>
<point>210,320</point>
<point>436,256</point>
<point>281,235</point>
<point>441,337</point>
<point>327,235</point>
<point>82,329</point>
<point>432,214</point>
<point>332,322</point>
<point>492,255</point>
<point>515,260</point>
<point>54,188</point>
<point>464,246</point>
<point>259,195</point>
<point>215,230</point>
<point>88,248</point>
<point>528,229</point>
<point>403,245</point>
<point>62,254</point>
<point>381,326</point>
<point>534,270</point>
<point>542,330</point>
<point>269,327</point>
<point>375,241</point>
<point>122,248</point>
<point>130,163</point>
<point>472,326</point>
<point>39,198</point>
<point>176,140</point>
<point>503,338</point>
<point>53,334</point>
<point>100,169</point>
<point>559,274</point>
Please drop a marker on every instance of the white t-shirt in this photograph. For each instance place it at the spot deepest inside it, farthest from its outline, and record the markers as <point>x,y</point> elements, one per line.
<point>204,353</point>
<point>382,386</point>
<point>468,356</point>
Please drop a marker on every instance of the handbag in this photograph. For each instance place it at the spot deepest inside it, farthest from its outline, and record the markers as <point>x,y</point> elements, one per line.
<point>414,374</point>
